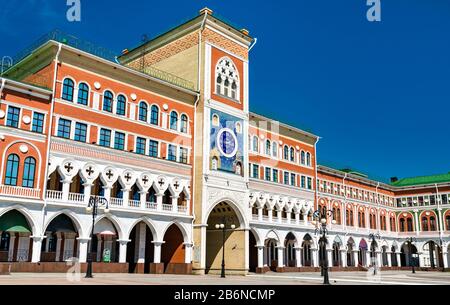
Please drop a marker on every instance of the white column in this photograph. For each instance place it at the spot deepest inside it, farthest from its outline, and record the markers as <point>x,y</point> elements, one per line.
<point>66,189</point>
<point>58,246</point>
<point>280,250</point>
<point>297,218</point>
<point>159,201</point>
<point>12,241</point>
<point>416,220</point>
<point>107,192</point>
<point>441,220</point>
<point>270,215</point>
<point>87,192</point>
<point>37,243</point>
<point>125,196</point>
<point>174,203</point>
<point>315,259</point>
<point>279,216</point>
<point>343,254</point>
<point>188,253</point>
<point>330,257</point>
<point>143,199</point>
<point>83,249</point>
<point>355,257</point>
<point>260,256</point>
<point>260,213</point>
<point>288,215</point>
<point>123,250</point>
<point>157,251</point>
<point>445,257</point>
<point>368,258</point>
<point>389,260</point>
<point>298,258</point>
<point>140,243</point>
<point>399,262</point>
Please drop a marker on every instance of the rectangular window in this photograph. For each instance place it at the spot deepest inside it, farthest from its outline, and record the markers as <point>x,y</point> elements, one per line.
<point>13,117</point>
<point>140,145</point>
<point>64,128</point>
<point>303,182</point>
<point>268,171</point>
<point>172,153</point>
<point>119,140</point>
<point>183,155</point>
<point>105,137</point>
<point>38,122</point>
<point>153,149</point>
<point>293,179</point>
<point>309,183</point>
<point>275,175</point>
<point>255,171</point>
<point>80,132</point>
<point>286,178</point>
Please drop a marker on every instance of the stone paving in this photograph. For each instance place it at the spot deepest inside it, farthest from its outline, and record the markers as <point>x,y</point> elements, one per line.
<point>336,278</point>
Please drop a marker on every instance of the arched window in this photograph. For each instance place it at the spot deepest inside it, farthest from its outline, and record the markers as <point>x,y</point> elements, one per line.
<point>227,79</point>
<point>255,144</point>
<point>107,101</point>
<point>184,123</point>
<point>154,116</point>
<point>67,93</point>
<point>302,157</point>
<point>29,169</point>
<point>286,152</point>
<point>308,159</point>
<point>409,224</point>
<point>238,169</point>
<point>83,94</point>
<point>447,222</point>
<point>12,169</point>
<point>215,120</point>
<point>425,224</point>
<point>173,120</point>
<point>274,149</point>
<point>268,147</point>
<point>121,104</point>
<point>292,154</point>
<point>143,111</point>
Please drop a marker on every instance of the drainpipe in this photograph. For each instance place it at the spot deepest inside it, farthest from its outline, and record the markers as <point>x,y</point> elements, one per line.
<point>315,180</point>
<point>439,217</point>
<point>378,208</point>
<point>345,203</point>
<point>193,169</point>
<point>49,136</point>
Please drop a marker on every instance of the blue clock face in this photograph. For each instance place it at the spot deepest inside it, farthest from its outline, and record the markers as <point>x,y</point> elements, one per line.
<point>227,142</point>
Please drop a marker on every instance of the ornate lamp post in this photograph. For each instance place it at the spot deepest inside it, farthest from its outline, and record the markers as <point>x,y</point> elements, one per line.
<point>320,220</point>
<point>223,226</point>
<point>94,203</point>
<point>410,240</point>
<point>373,238</point>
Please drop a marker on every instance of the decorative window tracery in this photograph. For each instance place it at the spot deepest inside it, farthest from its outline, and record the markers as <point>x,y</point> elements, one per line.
<point>227,79</point>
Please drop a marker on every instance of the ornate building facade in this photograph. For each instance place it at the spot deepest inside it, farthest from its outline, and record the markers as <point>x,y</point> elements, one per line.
<point>164,133</point>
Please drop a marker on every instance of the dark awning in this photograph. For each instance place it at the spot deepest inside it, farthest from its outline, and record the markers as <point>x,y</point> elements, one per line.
<point>14,221</point>
<point>62,223</point>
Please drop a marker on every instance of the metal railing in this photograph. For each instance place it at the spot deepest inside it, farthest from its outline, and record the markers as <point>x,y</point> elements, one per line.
<point>17,191</point>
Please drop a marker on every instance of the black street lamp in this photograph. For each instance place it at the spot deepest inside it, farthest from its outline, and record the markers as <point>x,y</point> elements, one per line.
<point>373,238</point>
<point>93,205</point>
<point>320,219</point>
<point>223,227</point>
<point>410,240</point>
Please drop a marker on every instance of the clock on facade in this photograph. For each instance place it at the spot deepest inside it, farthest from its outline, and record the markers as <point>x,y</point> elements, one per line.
<point>227,142</point>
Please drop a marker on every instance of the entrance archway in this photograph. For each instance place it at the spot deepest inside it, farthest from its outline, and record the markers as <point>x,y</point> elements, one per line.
<point>306,252</point>
<point>350,248</point>
<point>406,258</point>
<point>15,241</point>
<point>289,245</point>
<point>104,242</point>
<point>60,243</point>
<point>140,249</point>
<point>362,257</point>
<point>253,252</point>
<point>234,240</point>
<point>173,251</point>
<point>432,255</point>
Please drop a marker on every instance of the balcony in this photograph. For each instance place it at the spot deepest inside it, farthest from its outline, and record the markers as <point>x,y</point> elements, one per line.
<point>17,191</point>
<point>134,203</point>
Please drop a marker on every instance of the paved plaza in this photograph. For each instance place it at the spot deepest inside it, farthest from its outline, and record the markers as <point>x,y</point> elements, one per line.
<point>336,278</point>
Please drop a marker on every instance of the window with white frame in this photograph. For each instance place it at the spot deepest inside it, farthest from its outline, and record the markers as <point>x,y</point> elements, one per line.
<point>227,79</point>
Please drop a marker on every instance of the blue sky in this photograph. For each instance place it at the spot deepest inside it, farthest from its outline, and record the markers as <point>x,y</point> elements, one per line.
<point>377,93</point>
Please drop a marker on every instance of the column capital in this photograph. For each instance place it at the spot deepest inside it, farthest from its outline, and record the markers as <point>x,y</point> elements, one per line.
<point>38,238</point>
<point>189,245</point>
<point>158,243</point>
<point>83,240</point>
<point>124,241</point>
<point>260,247</point>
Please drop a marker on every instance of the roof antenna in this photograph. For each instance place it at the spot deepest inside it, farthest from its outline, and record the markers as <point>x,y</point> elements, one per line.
<point>144,39</point>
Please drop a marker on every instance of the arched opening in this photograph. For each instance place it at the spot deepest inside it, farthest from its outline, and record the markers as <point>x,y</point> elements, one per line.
<point>289,245</point>
<point>350,248</point>
<point>140,249</point>
<point>271,253</point>
<point>15,242</point>
<point>362,255</point>
<point>97,188</point>
<point>60,244</point>
<point>384,256</point>
<point>173,250</point>
<point>337,252</point>
<point>432,255</point>
<point>54,183</point>
<point>253,252</point>
<point>394,261</point>
<point>407,257</point>
<point>105,248</point>
<point>232,241</point>
<point>307,252</point>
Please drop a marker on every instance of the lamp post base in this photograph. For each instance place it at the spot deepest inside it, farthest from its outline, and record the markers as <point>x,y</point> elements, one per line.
<point>326,280</point>
<point>89,269</point>
<point>222,273</point>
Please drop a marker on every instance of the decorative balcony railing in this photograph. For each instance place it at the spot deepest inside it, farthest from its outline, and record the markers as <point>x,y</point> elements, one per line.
<point>116,201</point>
<point>182,209</point>
<point>54,195</point>
<point>167,207</point>
<point>75,197</point>
<point>17,191</point>
<point>151,205</point>
<point>134,203</point>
